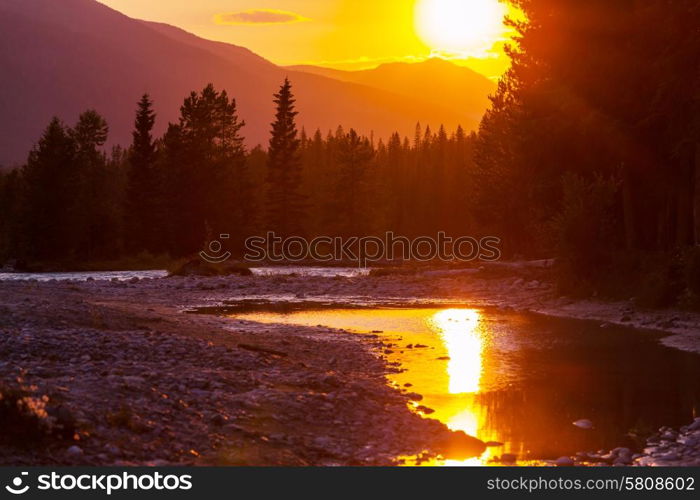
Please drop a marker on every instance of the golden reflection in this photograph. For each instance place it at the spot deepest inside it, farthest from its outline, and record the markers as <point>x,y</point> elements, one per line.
<point>449,370</point>
<point>467,421</point>
<point>459,331</point>
<point>463,337</point>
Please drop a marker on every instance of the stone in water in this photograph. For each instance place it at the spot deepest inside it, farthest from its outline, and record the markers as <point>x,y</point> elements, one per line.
<point>584,423</point>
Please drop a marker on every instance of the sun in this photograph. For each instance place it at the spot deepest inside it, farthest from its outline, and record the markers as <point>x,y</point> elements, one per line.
<point>463,26</point>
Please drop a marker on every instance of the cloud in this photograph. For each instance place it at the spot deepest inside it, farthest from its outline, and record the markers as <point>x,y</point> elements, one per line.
<point>258,16</point>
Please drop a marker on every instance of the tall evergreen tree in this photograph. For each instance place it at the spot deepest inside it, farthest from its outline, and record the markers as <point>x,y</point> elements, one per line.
<point>51,190</point>
<point>10,224</point>
<point>210,183</point>
<point>286,204</point>
<point>143,197</point>
<point>350,214</point>
<point>93,218</point>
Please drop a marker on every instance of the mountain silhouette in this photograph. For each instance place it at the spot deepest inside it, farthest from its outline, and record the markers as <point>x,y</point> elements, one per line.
<point>437,81</point>
<point>60,58</point>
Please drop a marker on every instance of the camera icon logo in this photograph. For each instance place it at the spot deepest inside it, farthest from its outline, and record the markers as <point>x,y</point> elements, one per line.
<point>16,487</point>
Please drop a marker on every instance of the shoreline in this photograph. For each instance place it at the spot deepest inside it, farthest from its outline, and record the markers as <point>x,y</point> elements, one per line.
<point>199,394</point>
<point>141,383</point>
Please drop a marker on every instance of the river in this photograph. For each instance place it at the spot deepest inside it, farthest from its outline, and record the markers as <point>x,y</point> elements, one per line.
<point>523,379</point>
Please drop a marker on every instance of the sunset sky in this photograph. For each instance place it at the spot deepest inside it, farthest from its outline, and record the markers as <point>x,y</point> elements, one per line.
<point>344,34</point>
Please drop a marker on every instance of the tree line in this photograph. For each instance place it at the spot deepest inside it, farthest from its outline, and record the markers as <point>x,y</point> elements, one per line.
<point>74,202</point>
<point>588,153</point>
<point>590,149</point>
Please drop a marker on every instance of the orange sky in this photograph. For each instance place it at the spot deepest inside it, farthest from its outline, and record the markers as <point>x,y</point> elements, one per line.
<point>344,34</point>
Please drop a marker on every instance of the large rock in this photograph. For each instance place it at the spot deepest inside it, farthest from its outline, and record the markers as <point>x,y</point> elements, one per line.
<point>198,267</point>
<point>459,446</point>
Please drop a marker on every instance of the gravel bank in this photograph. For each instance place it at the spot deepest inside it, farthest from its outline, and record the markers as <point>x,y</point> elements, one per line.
<point>117,374</point>
<point>125,377</point>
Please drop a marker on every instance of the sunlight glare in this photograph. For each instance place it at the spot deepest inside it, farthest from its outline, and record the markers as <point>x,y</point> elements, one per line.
<point>460,25</point>
<point>459,330</point>
<point>463,339</point>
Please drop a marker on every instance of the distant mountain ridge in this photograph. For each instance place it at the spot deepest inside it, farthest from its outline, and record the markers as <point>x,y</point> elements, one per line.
<point>60,58</point>
<point>437,81</point>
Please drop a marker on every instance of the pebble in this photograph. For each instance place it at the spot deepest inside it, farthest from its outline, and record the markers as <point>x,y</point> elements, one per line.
<point>583,423</point>
<point>668,448</point>
<point>112,449</point>
<point>414,396</point>
<point>74,451</point>
<point>564,462</point>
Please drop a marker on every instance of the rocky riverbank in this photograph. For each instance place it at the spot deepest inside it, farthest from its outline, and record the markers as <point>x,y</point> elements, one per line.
<point>114,372</point>
<point>667,448</point>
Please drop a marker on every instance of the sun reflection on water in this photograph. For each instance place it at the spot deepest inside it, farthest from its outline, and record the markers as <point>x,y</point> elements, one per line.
<point>459,329</point>
<point>509,380</point>
<point>464,339</point>
<point>450,370</point>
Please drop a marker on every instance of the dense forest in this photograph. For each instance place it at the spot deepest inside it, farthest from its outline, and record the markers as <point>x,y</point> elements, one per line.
<point>74,202</point>
<point>588,153</point>
<point>590,148</point>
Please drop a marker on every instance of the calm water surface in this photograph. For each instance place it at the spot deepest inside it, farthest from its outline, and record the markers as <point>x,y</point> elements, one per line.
<point>523,379</point>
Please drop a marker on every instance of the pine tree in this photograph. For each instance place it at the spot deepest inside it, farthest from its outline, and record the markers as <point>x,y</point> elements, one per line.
<point>93,218</point>
<point>418,137</point>
<point>351,216</point>
<point>175,184</point>
<point>234,206</point>
<point>50,193</point>
<point>210,183</point>
<point>142,224</point>
<point>286,204</point>
<point>69,203</point>
<point>10,223</point>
